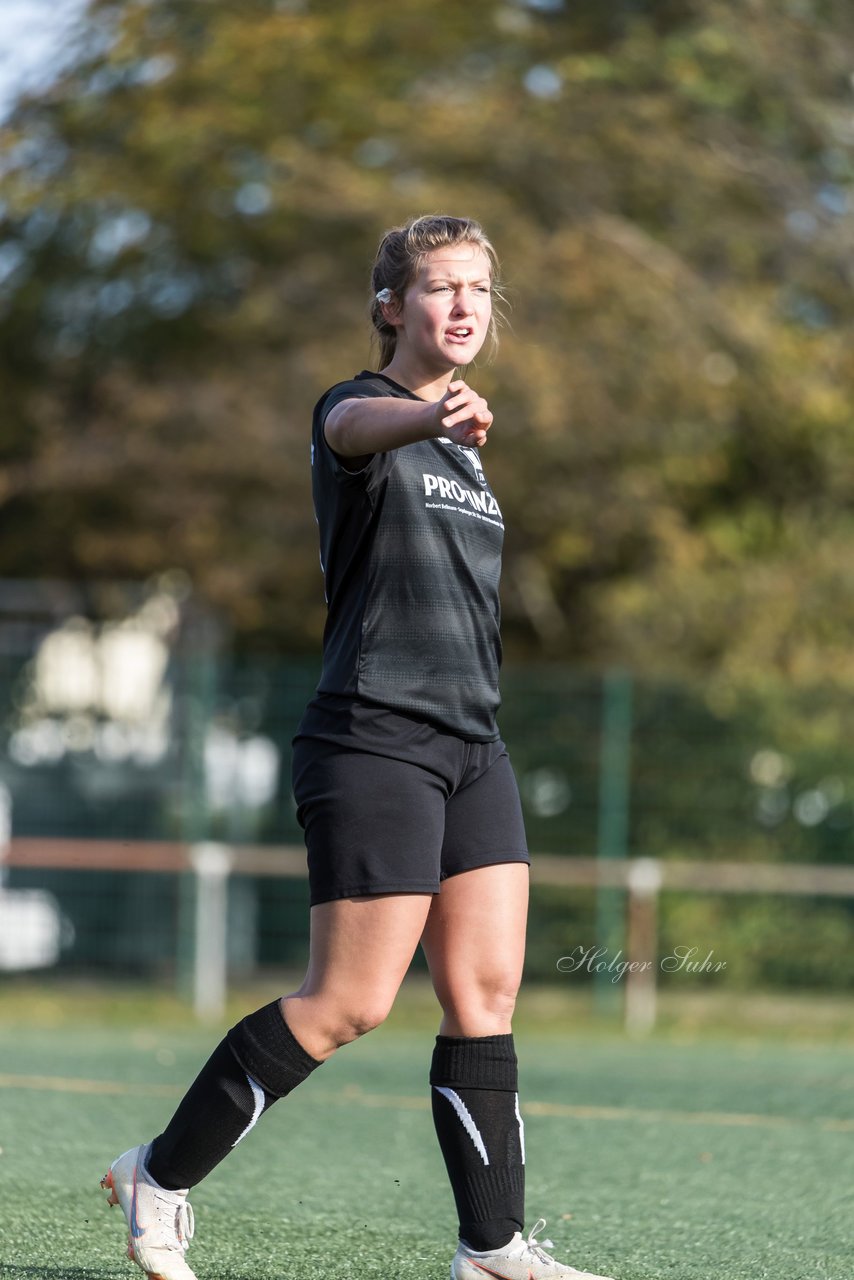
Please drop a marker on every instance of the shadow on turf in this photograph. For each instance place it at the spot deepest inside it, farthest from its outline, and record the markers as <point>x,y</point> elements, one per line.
<point>78,1273</point>
<point>58,1273</point>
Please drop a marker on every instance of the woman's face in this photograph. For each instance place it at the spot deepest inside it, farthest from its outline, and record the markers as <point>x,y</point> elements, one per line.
<point>446,310</point>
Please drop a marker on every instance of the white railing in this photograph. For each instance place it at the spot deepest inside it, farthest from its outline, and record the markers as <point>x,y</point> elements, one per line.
<point>643,880</point>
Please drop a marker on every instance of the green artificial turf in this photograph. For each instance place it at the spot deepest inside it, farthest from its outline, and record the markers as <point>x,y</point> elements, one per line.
<point>728,1159</point>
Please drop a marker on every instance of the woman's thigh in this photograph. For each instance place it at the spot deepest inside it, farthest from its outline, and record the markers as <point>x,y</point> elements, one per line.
<point>360,950</point>
<point>474,941</point>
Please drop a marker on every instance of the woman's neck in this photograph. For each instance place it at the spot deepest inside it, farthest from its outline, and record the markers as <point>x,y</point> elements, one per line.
<point>429,384</point>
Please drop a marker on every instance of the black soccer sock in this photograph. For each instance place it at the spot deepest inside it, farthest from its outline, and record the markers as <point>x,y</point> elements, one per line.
<point>476,1112</point>
<point>259,1061</point>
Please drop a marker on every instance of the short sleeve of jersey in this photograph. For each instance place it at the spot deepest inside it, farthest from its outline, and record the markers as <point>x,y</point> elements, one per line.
<point>379,465</point>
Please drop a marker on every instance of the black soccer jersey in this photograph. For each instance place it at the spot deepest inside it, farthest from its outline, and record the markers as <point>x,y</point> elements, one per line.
<point>411,554</point>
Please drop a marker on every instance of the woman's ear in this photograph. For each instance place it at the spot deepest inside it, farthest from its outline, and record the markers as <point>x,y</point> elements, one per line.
<point>391,307</point>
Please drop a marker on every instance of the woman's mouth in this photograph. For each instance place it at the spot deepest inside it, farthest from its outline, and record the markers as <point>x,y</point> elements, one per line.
<point>461,333</point>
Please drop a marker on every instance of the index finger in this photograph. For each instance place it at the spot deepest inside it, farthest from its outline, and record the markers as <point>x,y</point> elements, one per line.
<point>456,401</point>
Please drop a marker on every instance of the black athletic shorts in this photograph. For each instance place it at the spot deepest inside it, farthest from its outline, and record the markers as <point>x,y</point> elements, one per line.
<point>391,804</point>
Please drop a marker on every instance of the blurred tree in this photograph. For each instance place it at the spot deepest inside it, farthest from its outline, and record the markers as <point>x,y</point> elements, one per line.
<point>188,219</point>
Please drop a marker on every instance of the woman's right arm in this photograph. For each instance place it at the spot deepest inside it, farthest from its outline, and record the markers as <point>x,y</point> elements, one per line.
<point>356,429</point>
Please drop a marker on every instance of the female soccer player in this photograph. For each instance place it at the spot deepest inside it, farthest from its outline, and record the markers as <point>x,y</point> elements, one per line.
<point>406,794</point>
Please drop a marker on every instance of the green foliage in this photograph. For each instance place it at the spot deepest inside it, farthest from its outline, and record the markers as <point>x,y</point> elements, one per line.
<point>188,220</point>
<point>767,943</point>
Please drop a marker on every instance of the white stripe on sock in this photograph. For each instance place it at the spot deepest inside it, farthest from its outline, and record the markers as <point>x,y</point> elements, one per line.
<point>258,1095</point>
<point>521,1129</point>
<point>466,1119</point>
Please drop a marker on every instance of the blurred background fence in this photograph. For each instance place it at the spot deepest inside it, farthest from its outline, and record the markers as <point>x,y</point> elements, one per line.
<point>131,744</point>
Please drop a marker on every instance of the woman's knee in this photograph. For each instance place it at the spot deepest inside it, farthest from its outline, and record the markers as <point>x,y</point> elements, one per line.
<point>332,1022</point>
<point>491,999</point>
<point>358,1020</point>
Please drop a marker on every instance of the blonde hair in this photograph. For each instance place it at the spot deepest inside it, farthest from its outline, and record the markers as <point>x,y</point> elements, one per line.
<point>401,255</point>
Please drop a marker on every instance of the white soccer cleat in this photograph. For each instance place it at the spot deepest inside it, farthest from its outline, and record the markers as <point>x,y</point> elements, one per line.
<point>521,1259</point>
<point>160,1223</point>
